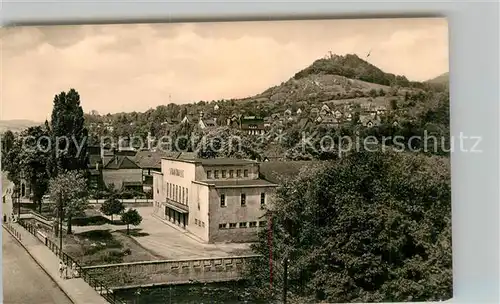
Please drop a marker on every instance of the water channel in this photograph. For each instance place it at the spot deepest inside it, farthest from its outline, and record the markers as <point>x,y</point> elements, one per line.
<point>211,293</point>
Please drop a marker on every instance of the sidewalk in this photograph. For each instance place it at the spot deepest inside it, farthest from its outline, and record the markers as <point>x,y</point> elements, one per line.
<point>76,289</point>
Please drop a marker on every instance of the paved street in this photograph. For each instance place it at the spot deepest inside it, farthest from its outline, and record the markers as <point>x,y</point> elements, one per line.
<point>23,280</point>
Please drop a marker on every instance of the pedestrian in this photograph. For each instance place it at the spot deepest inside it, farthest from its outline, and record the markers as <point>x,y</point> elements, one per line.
<point>75,271</point>
<point>65,271</point>
<point>61,268</point>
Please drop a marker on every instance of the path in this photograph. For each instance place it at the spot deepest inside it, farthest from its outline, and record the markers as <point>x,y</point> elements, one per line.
<point>23,280</point>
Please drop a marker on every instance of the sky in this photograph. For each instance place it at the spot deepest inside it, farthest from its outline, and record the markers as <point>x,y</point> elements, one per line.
<point>134,67</point>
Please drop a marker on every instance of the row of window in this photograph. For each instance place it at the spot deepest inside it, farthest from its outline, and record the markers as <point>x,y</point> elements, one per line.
<point>224,173</point>
<point>242,225</point>
<point>177,193</point>
<point>243,199</point>
<point>197,222</point>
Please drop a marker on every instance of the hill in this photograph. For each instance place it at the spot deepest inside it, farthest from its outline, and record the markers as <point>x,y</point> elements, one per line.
<point>351,66</point>
<point>16,125</point>
<point>441,79</point>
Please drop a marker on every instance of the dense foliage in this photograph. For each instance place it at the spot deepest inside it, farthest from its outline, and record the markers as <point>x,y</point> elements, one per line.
<point>69,189</point>
<point>372,226</point>
<point>68,133</point>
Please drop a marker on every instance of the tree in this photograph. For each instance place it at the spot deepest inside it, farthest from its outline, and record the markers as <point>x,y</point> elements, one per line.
<point>373,93</point>
<point>69,135</point>
<point>131,217</point>
<point>69,188</point>
<point>8,139</point>
<point>33,160</point>
<point>112,206</point>
<point>371,227</point>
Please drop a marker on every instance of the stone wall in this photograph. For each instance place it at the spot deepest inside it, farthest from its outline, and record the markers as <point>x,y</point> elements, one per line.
<point>171,271</point>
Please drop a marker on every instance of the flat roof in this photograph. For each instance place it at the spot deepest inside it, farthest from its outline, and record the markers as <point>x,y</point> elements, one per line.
<point>242,183</point>
<point>215,161</point>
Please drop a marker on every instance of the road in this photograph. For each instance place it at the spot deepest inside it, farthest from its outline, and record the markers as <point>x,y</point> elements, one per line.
<point>23,279</point>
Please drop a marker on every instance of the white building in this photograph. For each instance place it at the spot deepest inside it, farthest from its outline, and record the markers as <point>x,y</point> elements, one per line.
<point>217,200</point>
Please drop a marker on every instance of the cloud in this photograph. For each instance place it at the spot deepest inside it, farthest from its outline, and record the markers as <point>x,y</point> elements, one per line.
<point>134,67</point>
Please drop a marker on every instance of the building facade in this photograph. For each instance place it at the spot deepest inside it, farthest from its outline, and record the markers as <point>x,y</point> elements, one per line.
<point>217,200</point>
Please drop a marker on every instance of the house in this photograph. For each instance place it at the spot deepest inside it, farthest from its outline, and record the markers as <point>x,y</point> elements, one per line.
<point>268,121</point>
<point>191,119</point>
<point>252,125</point>
<point>288,112</point>
<point>337,114</point>
<point>233,121</point>
<point>299,111</point>
<point>122,173</point>
<point>314,112</point>
<point>217,200</point>
<point>216,107</point>
<point>204,123</point>
<point>369,120</point>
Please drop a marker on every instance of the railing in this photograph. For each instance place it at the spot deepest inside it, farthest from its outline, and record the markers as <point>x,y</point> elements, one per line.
<point>103,290</point>
<point>9,227</point>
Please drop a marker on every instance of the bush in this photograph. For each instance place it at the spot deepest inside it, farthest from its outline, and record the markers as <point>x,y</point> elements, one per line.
<point>113,256</point>
<point>90,221</point>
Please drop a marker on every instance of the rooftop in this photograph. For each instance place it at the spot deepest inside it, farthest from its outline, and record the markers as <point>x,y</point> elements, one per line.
<point>215,161</point>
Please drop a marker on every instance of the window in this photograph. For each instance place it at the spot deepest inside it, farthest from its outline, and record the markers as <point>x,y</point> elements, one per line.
<point>245,173</point>
<point>262,198</point>
<point>198,205</point>
<point>231,173</point>
<point>203,224</point>
<point>238,173</point>
<point>216,174</point>
<point>182,196</point>
<point>187,196</point>
<point>232,225</point>
<point>209,174</point>
<point>262,224</point>
<point>223,200</point>
<point>243,225</point>
<point>243,199</point>
<point>176,193</point>
<point>196,221</point>
<point>222,226</point>
<point>223,173</point>
<point>253,224</point>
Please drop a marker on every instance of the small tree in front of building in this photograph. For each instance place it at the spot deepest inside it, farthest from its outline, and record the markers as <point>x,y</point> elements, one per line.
<point>112,206</point>
<point>131,217</point>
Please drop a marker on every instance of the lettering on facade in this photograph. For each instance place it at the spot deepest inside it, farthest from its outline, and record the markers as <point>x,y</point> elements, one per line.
<point>176,172</point>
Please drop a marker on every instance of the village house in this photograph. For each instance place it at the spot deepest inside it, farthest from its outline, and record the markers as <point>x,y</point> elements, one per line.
<point>204,123</point>
<point>217,200</point>
<point>252,125</point>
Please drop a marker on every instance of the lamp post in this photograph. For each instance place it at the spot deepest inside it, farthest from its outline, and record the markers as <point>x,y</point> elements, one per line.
<point>285,278</point>
<point>60,225</point>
